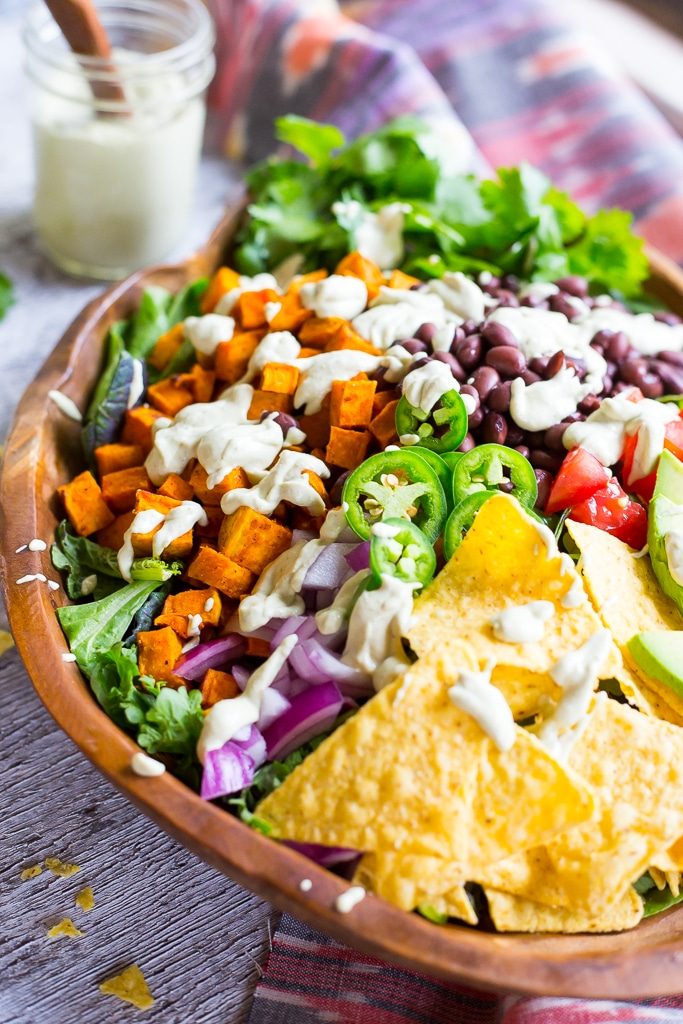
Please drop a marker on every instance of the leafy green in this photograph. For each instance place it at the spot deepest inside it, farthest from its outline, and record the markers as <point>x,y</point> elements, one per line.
<point>173,724</point>
<point>517,223</point>
<point>431,913</point>
<point>7,297</point>
<point>96,626</point>
<point>78,558</point>
<point>655,900</point>
<point>145,616</point>
<point>112,679</point>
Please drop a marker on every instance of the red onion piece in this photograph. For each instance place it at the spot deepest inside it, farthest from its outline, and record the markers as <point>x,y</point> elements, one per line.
<point>273,704</point>
<point>315,663</point>
<point>330,568</point>
<point>226,770</point>
<point>359,557</point>
<point>253,744</point>
<point>302,625</point>
<point>194,664</point>
<point>310,713</point>
<point>240,674</point>
<point>326,856</point>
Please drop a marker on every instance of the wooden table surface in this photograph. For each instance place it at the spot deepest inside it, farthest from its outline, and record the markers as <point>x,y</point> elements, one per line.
<point>197,936</point>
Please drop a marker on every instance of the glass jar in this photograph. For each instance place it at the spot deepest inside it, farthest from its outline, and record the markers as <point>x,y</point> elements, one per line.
<point>117,142</point>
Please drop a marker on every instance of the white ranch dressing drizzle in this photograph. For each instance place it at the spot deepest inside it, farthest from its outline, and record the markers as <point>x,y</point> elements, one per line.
<point>276,594</point>
<point>305,885</point>
<point>546,402</point>
<point>145,766</point>
<point>205,333</point>
<point>376,235</point>
<point>227,717</point>
<point>426,385</point>
<point>475,694</point>
<point>285,481</point>
<point>32,578</point>
<point>194,624</point>
<point>331,619</point>
<point>443,338</point>
<point>339,295</point>
<point>673,545</point>
<point>271,310</point>
<point>576,595</point>
<point>459,294</point>
<point>68,656</point>
<point>522,623</point>
<point>538,290</point>
<point>258,283</point>
<point>577,673</point>
<point>65,405</point>
<point>137,384</point>
<point>604,432</point>
<point>172,525</point>
<point>349,899</point>
<point>379,620</point>
<point>37,544</point>
<point>209,604</point>
<point>647,335</point>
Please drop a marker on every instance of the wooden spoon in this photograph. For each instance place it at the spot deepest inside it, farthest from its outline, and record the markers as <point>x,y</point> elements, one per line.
<point>86,35</point>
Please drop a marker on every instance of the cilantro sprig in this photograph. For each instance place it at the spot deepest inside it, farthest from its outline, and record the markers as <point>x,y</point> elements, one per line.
<point>516,223</point>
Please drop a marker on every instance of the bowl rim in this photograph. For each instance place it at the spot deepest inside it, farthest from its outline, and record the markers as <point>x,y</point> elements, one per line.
<point>604,966</point>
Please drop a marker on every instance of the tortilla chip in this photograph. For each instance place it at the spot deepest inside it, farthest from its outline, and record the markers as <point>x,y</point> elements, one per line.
<point>416,775</point>
<point>60,867</point>
<point>129,985</point>
<point>31,872</point>
<point>642,697</point>
<point>400,881</point>
<point>515,914</point>
<point>85,899</point>
<point>635,764</point>
<point>506,559</point>
<point>658,877</point>
<point>455,903</point>
<point>625,592</point>
<point>6,642</point>
<point>66,928</point>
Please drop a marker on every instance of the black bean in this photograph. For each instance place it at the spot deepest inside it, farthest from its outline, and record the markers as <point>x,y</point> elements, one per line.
<point>618,347</point>
<point>529,377</point>
<point>651,385</point>
<point>506,486</point>
<point>575,285</point>
<point>670,376</point>
<point>589,404</point>
<point>421,361</point>
<point>484,379</point>
<point>468,443</point>
<point>534,438</point>
<point>577,364</point>
<point>544,480</point>
<point>563,304</point>
<point>458,335</point>
<point>675,358</point>
<point>553,437</point>
<point>507,298</point>
<point>574,417</point>
<point>456,369</point>
<point>515,435</point>
<point>475,419</point>
<point>541,459</point>
<point>603,337</point>
<point>467,389</point>
<point>494,429</point>
<point>665,317</point>
<point>555,364</point>
<point>510,281</point>
<point>468,351</point>
<point>633,371</point>
<point>426,333</point>
<point>522,449</point>
<point>499,397</point>
<point>498,334</point>
<point>534,302</point>
<point>414,345</point>
<point>539,364</point>
<point>470,326</point>
<point>508,361</point>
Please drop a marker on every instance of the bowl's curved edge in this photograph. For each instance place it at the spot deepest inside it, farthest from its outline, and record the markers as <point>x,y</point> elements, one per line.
<point>646,962</point>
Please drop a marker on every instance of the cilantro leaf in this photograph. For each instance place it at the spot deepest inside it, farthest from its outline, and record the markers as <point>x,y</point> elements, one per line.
<point>609,254</point>
<point>7,296</point>
<point>316,141</point>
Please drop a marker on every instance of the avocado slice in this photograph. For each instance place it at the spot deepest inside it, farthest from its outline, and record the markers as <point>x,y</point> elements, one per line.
<point>665,515</point>
<point>660,655</point>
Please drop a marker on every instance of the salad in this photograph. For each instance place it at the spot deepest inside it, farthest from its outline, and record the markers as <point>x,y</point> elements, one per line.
<point>380,539</point>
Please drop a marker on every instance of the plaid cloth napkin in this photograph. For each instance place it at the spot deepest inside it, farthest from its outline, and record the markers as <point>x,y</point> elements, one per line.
<point>505,80</point>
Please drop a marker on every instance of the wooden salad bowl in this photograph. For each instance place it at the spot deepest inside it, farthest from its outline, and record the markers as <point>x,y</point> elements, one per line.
<point>42,452</point>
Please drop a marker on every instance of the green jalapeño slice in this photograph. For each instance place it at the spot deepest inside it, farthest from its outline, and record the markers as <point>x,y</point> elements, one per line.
<point>440,430</point>
<point>487,466</point>
<point>399,548</point>
<point>394,485</point>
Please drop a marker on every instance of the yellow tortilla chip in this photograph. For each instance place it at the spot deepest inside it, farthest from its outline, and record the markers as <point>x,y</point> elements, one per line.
<point>411,773</point>
<point>629,600</point>
<point>60,867</point>
<point>85,899</point>
<point>635,764</point>
<point>129,985</point>
<point>515,914</point>
<point>642,697</point>
<point>507,558</point>
<point>6,642</point>
<point>455,903</point>
<point>390,877</point>
<point>66,928</point>
<point>31,872</point>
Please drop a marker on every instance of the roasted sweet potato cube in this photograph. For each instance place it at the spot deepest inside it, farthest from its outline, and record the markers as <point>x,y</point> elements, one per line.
<point>383,426</point>
<point>211,567</point>
<point>178,608</point>
<point>166,347</point>
<point>306,351</point>
<point>351,402</point>
<point>257,648</point>
<point>252,539</point>
<point>119,488</point>
<point>347,448</point>
<point>222,282</point>
<point>280,377</point>
<point>250,308</point>
<point>348,339</point>
<point>171,395</point>
<point>383,398</point>
<point>291,314</point>
<point>175,487</point>
<point>200,383</point>
<point>356,265</point>
<point>400,280</point>
<point>269,401</point>
<point>301,279</point>
<point>217,685</point>
<point>142,542</point>
<point>232,357</point>
<point>137,426</point>
<point>235,478</point>
<point>112,457</point>
<point>319,331</point>
<point>214,515</point>
<point>316,425</point>
<point>112,535</point>
<point>316,483</point>
<point>84,504</point>
<point>158,652</point>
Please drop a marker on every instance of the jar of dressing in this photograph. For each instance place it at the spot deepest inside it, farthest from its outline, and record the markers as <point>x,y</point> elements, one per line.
<point>117,142</point>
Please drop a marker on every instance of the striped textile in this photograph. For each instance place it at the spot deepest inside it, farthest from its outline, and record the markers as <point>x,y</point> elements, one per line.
<point>504,80</point>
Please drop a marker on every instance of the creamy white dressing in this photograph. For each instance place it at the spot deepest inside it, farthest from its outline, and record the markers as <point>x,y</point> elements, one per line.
<point>386,324</point>
<point>378,236</point>
<point>32,578</point>
<point>305,885</point>
<point>604,432</point>
<point>205,333</point>
<point>271,310</point>
<point>258,283</point>
<point>576,595</point>
<point>349,899</point>
<point>425,386</point>
<point>333,618</point>
<point>173,524</point>
<point>274,347</point>
<point>285,481</point>
<point>475,694</point>
<point>459,294</point>
<point>647,335</point>
<point>339,295</point>
<point>225,719</point>
<point>522,623</point>
<point>209,604</point>
<point>538,290</point>
<point>68,657</point>
<point>385,530</point>
<point>37,544</point>
<point>194,624</point>
<point>443,338</point>
<point>53,585</point>
<point>546,402</point>
<point>379,620</point>
<point>65,405</point>
<point>145,766</point>
<point>577,673</point>
<point>673,545</point>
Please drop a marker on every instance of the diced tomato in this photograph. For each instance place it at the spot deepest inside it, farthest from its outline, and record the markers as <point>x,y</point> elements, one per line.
<point>674,438</point>
<point>579,476</point>
<point>673,441</point>
<point>610,509</point>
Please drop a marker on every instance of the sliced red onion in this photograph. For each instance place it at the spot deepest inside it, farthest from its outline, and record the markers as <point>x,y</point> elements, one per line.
<point>273,704</point>
<point>310,713</point>
<point>302,625</point>
<point>240,674</point>
<point>226,770</point>
<point>359,557</point>
<point>315,663</point>
<point>298,535</point>
<point>252,743</point>
<point>330,568</point>
<point>263,633</point>
<point>326,856</point>
<point>194,664</point>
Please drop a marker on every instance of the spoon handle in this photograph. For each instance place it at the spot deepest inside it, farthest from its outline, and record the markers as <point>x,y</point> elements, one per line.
<point>86,35</point>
